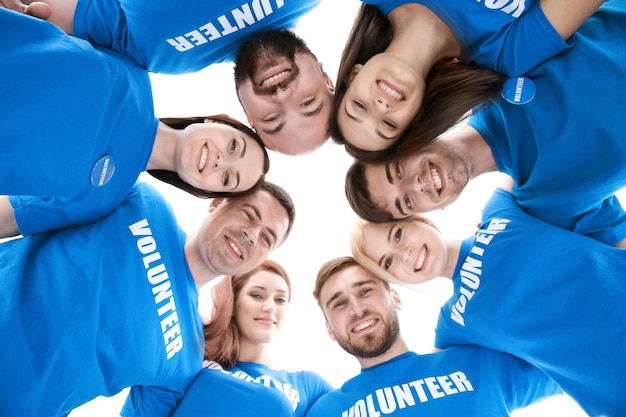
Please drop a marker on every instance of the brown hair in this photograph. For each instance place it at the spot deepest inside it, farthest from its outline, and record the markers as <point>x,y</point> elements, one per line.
<point>332,267</point>
<point>359,196</point>
<point>453,88</point>
<point>221,335</point>
<point>174,179</point>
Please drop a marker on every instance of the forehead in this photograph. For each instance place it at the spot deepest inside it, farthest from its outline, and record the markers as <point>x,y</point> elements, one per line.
<point>270,280</point>
<point>345,281</point>
<point>379,185</point>
<point>264,205</point>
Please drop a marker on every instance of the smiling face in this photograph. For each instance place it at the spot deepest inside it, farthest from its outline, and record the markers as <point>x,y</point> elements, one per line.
<point>423,182</point>
<point>240,233</point>
<point>284,92</point>
<point>384,96</point>
<point>411,251</point>
<point>260,307</point>
<point>217,157</point>
<point>361,312</point>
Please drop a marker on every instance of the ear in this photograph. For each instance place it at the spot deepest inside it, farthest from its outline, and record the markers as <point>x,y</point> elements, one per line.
<point>215,203</point>
<point>329,82</point>
<point>330,332</point>
<point>355,70</point>
<point>397,302</point>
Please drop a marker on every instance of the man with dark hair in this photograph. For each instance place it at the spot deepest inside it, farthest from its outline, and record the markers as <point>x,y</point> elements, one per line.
<point>96,308</point>
<point>281,85</point>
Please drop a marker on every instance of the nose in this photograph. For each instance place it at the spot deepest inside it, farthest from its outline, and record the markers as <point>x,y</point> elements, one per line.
<point>382,105</point>
<point>357,308</point>
<point>406,254</point>
<point>269,307</point>
<point>281,93</point>
<point>249,236</point>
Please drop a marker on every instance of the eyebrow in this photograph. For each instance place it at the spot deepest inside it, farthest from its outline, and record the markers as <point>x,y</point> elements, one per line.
<point>275,130</point>
<point>311,113</point>
<point>258,214</point>
<point>356,119</point>
<point>390,181</point>
<point>315,111</point>
<point>340,293</point>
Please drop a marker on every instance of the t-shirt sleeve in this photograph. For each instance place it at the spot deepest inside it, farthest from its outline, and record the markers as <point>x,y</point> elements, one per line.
<point>151,401</point>
<point>41,214</point>
<point>528,42</point>
<point>606,223</point>
<point>524,383</point>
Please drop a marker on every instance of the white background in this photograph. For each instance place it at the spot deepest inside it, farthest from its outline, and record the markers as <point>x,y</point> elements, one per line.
<point>315,182</point>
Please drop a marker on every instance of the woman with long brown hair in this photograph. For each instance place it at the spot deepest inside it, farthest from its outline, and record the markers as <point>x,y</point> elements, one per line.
<point>420,67</point>
<point>81,128</point>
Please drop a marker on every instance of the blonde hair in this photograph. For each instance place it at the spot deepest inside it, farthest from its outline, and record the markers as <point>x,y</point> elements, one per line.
<point>356,246</point>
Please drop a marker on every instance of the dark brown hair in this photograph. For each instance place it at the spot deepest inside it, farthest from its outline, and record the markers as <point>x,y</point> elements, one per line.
<point>174,179</point>
<point>359,196</point>
<point>221,335</point>
<point>453,88</point>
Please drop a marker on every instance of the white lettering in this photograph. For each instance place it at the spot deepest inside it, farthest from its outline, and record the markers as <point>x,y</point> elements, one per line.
<point>515,8</point>
<point>472,269</point>
<point>387,400</point>
<point>158,277</point>
<point>248,14</point>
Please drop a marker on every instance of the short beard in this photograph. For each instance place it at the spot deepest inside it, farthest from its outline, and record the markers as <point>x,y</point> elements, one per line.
<point>374,347</point>
<point>264,51</point>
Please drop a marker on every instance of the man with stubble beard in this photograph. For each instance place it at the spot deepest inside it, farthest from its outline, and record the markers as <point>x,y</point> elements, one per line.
<point>284,91</point>
<point>280,83</point>
<point>361,312</point>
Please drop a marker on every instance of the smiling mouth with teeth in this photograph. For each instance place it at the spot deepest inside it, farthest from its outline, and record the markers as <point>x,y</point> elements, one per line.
<point>203,158</point>
<point>364,325</point>
<point>434,172</point>
<point>387,89</point>
<point>273,78</point>
<point>235,248</point>
<point>419,262</point>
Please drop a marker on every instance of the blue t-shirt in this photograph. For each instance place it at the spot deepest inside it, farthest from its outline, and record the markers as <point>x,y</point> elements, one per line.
<point>89,310</point>
<point>551,297</point>
<point>565,149</point>
<point>470,380</point>
<point>299,390</point>
<point>510,37</point>
<point>215,392</point>
<point>76,132</point>
<point>173,38</point>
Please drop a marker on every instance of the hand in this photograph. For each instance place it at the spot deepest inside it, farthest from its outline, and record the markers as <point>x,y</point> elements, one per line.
<point>36,9</point>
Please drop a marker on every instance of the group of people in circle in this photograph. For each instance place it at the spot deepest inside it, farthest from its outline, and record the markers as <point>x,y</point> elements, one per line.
<point>100,286</point>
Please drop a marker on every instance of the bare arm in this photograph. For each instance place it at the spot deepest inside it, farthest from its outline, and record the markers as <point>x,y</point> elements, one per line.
<point>8,226</point>
<point>621,244</point>
<point>566,16</point>
<point>35,9</point>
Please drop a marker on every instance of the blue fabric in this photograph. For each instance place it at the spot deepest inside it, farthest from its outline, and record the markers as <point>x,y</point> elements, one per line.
<point>566,149</point>
<point>299,390</point>
<point>469,380</point>
<point>549,296</point>
<point>217,393</point>
<point>510,37</point>
<point>174,38</point>
<point>74,106</point>
<point>90,310</point>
